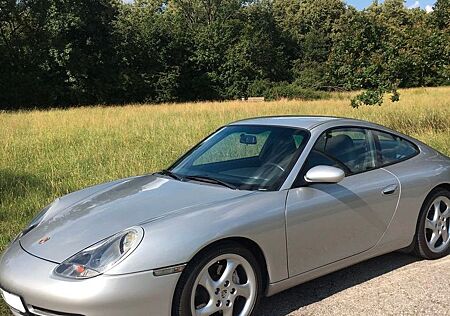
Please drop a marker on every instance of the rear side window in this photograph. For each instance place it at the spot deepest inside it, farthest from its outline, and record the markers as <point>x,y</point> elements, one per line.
<point>393,149</point>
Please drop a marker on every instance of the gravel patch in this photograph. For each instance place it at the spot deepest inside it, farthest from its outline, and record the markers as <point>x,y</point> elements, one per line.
<point>393,284</point>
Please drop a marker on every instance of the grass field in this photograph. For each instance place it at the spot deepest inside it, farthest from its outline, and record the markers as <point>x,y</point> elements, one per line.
<point>45,154</point>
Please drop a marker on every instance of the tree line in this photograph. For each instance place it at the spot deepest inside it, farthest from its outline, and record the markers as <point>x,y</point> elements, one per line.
<point>57,53</point>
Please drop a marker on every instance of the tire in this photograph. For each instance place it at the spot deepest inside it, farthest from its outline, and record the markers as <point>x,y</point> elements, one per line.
<point>233,269</point>
<point>431,229</point>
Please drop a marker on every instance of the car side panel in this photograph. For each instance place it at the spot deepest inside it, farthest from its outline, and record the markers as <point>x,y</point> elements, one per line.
<point>418,176</point>
<point>177,238</point>
<point>329,222</point>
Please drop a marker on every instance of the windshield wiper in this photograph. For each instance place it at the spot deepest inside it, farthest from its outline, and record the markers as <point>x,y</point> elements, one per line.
<point>211,180</point>
<point>170,174</point>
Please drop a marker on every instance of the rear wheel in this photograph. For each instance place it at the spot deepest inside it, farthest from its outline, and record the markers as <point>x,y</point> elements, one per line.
<point>223,281</point>
<point>432,237</point>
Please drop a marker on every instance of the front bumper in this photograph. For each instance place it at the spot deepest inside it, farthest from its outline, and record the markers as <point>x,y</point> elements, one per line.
<point>132,294</point>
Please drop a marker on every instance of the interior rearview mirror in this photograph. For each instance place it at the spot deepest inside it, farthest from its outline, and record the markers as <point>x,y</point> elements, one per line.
<point>324,174</point>
<point>248,139</point>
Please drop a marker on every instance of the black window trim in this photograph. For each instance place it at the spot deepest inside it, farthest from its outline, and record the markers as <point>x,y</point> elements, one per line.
<point>300,181</point>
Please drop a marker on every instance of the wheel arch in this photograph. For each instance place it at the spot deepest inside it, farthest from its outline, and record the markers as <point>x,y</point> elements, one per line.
<point>250,245</point>
<point>244,242</point>
<point>413,248</point>
<point>445,186</point>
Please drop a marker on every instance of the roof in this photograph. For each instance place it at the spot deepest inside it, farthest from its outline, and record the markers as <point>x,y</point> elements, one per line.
<point>306,122</point>
<point>311,122</point>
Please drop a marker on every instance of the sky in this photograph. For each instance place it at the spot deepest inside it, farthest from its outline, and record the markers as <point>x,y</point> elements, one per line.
<point>424,4</point>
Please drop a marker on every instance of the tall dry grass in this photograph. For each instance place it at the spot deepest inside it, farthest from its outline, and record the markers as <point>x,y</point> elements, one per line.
<point>48,153</point>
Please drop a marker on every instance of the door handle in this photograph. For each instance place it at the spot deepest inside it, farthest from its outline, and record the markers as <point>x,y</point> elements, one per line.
<point>390,189</point>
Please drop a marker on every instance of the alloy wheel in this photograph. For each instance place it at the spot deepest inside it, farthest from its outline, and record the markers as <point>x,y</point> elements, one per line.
<point>226,286</point>
<point>437,224</point>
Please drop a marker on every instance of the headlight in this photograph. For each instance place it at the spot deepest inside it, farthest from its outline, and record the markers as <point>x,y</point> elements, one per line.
<point>102,256</point>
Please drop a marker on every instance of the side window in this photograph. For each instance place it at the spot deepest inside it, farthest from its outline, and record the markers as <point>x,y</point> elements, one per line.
<point>393,148</point>
<point>351,147</point>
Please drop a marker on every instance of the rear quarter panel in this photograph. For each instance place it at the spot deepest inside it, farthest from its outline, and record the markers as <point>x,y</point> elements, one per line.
<point>418,177</point>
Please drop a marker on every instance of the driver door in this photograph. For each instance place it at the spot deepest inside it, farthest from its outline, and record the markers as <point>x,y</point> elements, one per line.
<point>330,222</point>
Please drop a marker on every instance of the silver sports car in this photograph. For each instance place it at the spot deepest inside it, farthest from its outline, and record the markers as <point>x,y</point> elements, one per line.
<point>257,207</point>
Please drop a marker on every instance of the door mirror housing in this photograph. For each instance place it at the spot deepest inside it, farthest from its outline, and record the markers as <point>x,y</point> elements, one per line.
<point>324,174</point>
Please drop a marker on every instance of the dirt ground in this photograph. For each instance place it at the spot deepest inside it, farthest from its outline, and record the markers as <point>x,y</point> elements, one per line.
<point>394,284</point>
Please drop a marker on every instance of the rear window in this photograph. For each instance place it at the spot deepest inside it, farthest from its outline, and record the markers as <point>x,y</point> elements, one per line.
<point>393,149</point>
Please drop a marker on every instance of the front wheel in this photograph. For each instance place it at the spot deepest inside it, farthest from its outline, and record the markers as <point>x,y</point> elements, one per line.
<point>432,236</point>
<point>225,280</point>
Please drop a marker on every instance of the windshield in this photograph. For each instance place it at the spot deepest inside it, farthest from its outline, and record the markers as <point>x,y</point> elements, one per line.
<point>246,157</point>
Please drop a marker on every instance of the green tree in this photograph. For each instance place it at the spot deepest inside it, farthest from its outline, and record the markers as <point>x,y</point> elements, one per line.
<point>23,47</point>
<point>258,53</point>
<point>441,14</point>
<point>82,49</point>
<point>384,47</point>
<point>150,52</point>
<point>309,24</point>
<point>58,52</point>
<point>71,52</point>
<point>440,18</point>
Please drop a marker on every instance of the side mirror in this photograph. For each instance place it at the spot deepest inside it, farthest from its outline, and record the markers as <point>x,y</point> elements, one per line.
<point>324,174</point>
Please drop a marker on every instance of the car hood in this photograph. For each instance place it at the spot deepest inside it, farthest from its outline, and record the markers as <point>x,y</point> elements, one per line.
<point>71,226</point>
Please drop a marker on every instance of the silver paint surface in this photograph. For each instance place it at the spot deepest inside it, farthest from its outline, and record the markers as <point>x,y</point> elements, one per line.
<point>324,174</point>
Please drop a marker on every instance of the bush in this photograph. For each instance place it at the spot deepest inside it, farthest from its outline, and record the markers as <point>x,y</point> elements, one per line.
<point>259,88</point>
<point>284,90</point>
<point>374,97</point>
